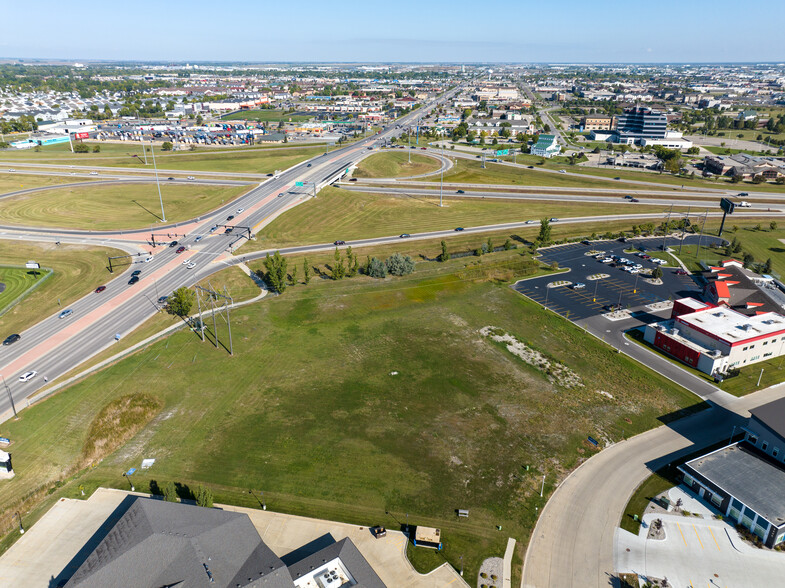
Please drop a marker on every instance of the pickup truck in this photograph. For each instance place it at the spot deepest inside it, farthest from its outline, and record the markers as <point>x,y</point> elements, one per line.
<point>744,204</point>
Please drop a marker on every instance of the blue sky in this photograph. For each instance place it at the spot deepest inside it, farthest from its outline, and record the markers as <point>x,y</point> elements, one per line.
<point>350,30</point>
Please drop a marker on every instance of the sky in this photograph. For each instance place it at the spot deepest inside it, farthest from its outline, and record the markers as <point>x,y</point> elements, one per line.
<point>522,31</point>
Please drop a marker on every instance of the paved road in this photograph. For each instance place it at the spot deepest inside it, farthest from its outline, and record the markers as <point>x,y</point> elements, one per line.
<point>54,346</point>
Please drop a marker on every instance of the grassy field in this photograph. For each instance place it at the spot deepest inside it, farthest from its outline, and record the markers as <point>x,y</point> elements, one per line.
<point>395,164</point>
<point>313,396</point>
<point>264,159</point>
<point>16,281</point>
<point>78,269</point>
<point>10,182</point>
<point>347,215</point>
<point>266,115</point>
<point>108,207</point>
<point>471,172</point>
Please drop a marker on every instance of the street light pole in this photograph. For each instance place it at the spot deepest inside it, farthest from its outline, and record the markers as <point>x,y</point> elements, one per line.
<point>441,183</point>
<point>158,182</point>
<point>10,398</point>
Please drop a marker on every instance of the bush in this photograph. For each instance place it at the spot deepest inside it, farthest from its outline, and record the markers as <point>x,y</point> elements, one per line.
<point>170,492</point>
<point>376,268</point>
<point>96,149</point>
<point>166,146</point>
<point>204,497</point>
<point>81,148</point>
<point>399,265</point>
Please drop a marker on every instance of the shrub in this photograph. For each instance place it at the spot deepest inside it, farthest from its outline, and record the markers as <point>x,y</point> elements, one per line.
<point>399,265</point>
<point>170,492</point>
<point>376,268</point>
<point>204,497</point>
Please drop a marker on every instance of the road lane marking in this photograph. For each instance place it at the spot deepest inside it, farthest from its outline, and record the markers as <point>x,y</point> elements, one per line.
<point>451,581</point>
<point>715,539</point>
<point>698,536</point>
<point>682,533</point>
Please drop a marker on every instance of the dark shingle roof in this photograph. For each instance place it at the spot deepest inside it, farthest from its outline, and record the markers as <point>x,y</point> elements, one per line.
<point>157,543</point>
<point>350,556</point>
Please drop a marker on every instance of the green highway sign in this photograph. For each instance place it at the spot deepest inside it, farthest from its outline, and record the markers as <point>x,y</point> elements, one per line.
<point>503,152</point>
<point>298,184</point>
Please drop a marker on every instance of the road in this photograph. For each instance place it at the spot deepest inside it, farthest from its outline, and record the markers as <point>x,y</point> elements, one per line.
<point>54,346</point>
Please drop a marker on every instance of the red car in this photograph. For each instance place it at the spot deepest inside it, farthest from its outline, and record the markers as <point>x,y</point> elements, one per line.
<point>423,148</point>
<point>681,272</point>
<point>100,289</point>
<point>180,249</point>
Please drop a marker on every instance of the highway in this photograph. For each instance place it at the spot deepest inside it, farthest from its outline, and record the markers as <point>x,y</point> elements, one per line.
<point>54,346</point>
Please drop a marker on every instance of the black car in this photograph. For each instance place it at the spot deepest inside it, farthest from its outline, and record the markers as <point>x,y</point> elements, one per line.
<point>230,217</point>
<point>339,242</point>
<point>169,178</point>
<point>309,165</point>
<point>163,299</point>
<point>460,192</point>
<point>173,244</point>
<point>136,272</point>
<point>228,230</point>
<point>458,228</point>
<point>133,280</point>
<point>12,339</point>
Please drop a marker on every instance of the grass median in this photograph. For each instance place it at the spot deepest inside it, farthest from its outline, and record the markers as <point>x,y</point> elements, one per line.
<point>114,207</point>
<point>395,164</point>
<point>383,390</point>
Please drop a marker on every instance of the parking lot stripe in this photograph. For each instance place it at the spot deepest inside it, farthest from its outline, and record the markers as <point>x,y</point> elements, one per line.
<point>698,536</point>
<point>682,535</point>
<point>715,539</point>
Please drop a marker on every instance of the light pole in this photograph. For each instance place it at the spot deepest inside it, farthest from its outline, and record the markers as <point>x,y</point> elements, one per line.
<point>21,528</point>
<point>441,183</point>
<point>10,398</point>
<point>157,181</point>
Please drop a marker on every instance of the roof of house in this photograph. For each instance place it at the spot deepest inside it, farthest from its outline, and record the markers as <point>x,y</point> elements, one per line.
<point>157,543</point>
<point>748,475</point>
<point>350,556</point>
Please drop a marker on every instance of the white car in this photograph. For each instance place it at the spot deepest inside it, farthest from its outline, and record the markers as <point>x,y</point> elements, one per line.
<point>191,266</point>
<point>239,210</point>
<point>148,259</point>
<point>561,171</point>
<point>27,376</point>
<point>607,260</point>
<point>11,169</point>
<point>186,262</point>
<point>93,173</point>
<point>190,178</point>
<point>198,238</point>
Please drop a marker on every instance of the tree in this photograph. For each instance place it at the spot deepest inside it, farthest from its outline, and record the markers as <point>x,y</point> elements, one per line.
<point>275,276</point>
<point>444,255</point>
<point>490,245</point>
<point>96,149</point>
<point>339,270</point>
<point>81,148</point>
<point>293,277</point>
<point>376,268</point>
<point>180,302</point>
<point>166,146</point>
<point>773,225</point>
<point>306,271</point>
<point>545,231</point>
<point>767,266</point>
<point>170,492</point>
<point>199,120</point>
<point>656,273</point>
<point>204,497</point>
<point>399,265</point>
<point>748,259</point>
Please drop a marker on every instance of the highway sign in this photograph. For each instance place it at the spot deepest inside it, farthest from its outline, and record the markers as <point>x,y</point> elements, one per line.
<point>727,205</point>
<point>298,184</point>
<point>503,152</point>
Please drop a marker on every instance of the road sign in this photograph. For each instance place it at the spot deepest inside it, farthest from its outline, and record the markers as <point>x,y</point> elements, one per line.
<point>131,471</point>
<point>298,184</point>
<point>503,152</point>
<point>32,265</point>
<point>593,441</point>
<point>727,205</point>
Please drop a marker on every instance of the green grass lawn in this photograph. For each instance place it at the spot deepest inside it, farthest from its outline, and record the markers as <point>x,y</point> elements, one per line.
<point>266,115</point>
<point>10,182</point>
<point>264,159</point>
<point>16,281</point>
<point>314,417</point>
<point>343,214</point>
<point>108,207</point>
<point>78,269</point>
<point>395,164</point>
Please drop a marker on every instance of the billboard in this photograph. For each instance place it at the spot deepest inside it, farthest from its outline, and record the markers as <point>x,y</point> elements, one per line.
<point>727,205</point>
<point>82,135</point>
<point>32,265</point>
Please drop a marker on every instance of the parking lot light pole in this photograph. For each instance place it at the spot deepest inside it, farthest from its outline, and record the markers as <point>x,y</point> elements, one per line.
<point>157,181</point>
<point>596,285</point>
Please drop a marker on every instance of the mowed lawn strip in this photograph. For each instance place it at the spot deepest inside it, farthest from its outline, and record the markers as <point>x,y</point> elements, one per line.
<point>102,207</point>
<point>11,182</point>
<point>346,400</point>
<point>395,164</point>
<point>14,281</point>
<point>345,215</point>
<point>78,269</point>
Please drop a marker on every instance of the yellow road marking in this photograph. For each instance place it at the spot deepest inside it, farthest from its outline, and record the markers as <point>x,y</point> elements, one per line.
<point>698,536</point>
<point>682,533</point>
<point>715,539</point>
<point>451,581</point>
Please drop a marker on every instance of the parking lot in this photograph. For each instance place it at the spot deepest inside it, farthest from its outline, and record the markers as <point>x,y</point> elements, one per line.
<point>599,295</point>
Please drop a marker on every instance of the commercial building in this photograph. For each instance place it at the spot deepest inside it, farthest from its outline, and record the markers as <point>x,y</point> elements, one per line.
<point>546,146</point>
<point>640,122</point>
<point>744,166</point>
<point>596,122</point>
<point>744,480</point>
<point>716,339</point>
<point>734,286</point>
<point>154,543</point>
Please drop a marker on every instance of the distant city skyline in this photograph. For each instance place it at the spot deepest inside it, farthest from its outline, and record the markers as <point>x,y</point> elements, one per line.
<point>407,31</point>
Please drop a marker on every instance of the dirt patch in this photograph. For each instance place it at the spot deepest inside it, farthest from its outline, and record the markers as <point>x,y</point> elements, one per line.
<point>117,422</point>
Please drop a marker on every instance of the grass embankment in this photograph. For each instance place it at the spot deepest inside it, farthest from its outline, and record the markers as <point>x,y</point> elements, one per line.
<point>16,281</point>
<point>266,115</point>
<point>348,215</point>
<point>11,182</point>
<point>395,164</point>
<point>311,394</point>
<point>103,207</point>
<point>255,160</point>
<point>78,269</point>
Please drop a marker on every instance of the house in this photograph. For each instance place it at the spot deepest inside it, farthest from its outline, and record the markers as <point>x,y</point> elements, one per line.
<point>546,146</point>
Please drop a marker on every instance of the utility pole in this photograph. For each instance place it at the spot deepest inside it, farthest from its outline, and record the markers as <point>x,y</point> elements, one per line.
<point>667,226</point>
<point>10,398</point>
<point>441,183</point>
<point>684,229</point>
<point>703,224</point>
<point>158,182</point>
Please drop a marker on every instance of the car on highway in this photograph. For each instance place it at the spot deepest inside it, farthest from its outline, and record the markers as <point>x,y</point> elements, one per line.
<point>530,167</point>
<point>228,230</point>
<point>458,228</point>
<point>187,261</point>
<point>529,222</point>
<point>93,173</point>
<point>27,376</point>
<point>180,249</point>
<point>66,313</point>
<point>148,259</point>
<point>190,178</point>
<point>628,197</point>
<point>554,220</point>
<point>133,280</point>
<point>230,217</point>
<point>405,235</point>
<point>339,242</point>
<point>169,178</point>
<point>100,289</point>
<point>198,238</point>
<point>136,272</point>
<point>239,210</point>
<point>191,266</point>
<point>578,286</point>
<point>352,179</point>
<point>423,148</point>
<point>460,192</point>
<point>617,178</point>
<point>562,171</point>
<point>173,244</point>
<point>11,169</point>
<point>634,200</point>
<point>213,228</point>
<point>309,165</point>
<point>11,339</point>
<point>163,299</point>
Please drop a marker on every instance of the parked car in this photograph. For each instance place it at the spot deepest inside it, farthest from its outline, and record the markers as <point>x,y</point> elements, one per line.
<point>27,376</point>
<point>12,339</point>
<point>682,272</point>
<point>100,289</point>
<point>578,286</point>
